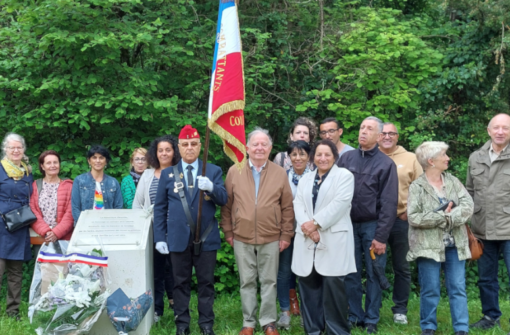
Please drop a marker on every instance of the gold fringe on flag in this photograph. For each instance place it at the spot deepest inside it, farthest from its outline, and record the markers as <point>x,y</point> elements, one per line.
<point>227,136</point>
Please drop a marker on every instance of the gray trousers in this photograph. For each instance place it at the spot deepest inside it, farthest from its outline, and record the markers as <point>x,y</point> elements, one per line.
<point>258,260</point>
<point>14,280</point>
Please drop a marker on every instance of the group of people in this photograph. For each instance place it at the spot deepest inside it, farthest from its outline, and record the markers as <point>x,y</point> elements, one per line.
<point>309,220</point>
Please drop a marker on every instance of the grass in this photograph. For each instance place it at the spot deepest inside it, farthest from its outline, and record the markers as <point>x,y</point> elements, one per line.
<point>229,319</point>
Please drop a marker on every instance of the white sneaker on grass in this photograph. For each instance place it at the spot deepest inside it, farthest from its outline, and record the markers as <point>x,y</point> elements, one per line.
<point>284,321</point>
<point>156,317</point>
<point>400,318</point>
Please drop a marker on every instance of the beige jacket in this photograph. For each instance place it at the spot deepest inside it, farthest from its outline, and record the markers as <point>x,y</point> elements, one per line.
<point>261,220</point>
<point>408,170</point>
<point>489,185</point>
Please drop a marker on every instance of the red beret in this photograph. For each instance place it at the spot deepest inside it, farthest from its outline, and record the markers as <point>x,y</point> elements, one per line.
<point>188,132</point>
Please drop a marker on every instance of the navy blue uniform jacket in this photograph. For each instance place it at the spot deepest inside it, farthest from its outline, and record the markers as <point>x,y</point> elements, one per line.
<point>173,228</point>
<point>14,194</point>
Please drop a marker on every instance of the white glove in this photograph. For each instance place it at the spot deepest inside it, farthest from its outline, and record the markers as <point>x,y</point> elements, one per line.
<point>162,247</point>
<point>205,184</point>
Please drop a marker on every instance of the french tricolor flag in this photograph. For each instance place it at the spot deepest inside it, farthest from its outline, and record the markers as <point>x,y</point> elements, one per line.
<point>226,99</point>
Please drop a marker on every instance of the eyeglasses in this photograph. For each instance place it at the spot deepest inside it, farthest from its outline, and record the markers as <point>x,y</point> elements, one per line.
<point>16,148</point>
<point>324,132</point>
<point>187,144</point>
<point>140,159</point>
<point>390,134</point>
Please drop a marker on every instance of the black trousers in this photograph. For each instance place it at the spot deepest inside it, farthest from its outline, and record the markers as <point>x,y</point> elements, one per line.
<point>163,280</point>
<point>399,245</point>
<point>183,263</point>
<point>324,304</point>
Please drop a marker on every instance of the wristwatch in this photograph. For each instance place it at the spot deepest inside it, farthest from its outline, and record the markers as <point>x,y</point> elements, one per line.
<point>317,224</point>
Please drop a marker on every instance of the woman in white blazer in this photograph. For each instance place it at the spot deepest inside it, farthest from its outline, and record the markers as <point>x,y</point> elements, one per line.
<point>162,153</point>
<point>324,242</point>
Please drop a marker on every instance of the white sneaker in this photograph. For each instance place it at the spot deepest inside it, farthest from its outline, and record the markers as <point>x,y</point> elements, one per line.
<point>284,321</point>
<point>400,318</point>
<point>156,317</point>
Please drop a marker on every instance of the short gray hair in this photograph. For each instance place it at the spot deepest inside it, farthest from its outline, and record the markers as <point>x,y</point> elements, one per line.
<point>429,150</point>
<point>376,119</point>
<point>256,131</point>
<point>18,138</point>
<point>390,124</point>
<point>12,137</point>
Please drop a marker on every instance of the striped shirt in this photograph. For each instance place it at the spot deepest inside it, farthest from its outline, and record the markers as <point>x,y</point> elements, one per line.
<point>153,189</point>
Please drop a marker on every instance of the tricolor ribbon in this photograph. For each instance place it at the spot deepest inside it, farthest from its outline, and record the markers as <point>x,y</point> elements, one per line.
<point>46,257</point>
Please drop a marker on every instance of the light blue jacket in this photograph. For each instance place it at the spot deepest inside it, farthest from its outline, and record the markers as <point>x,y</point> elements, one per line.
<point>82,197</point>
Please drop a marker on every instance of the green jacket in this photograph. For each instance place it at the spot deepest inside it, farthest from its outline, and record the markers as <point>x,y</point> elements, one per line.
<point>426,227</point>
<point>128,190</point>
<point>489,185</point>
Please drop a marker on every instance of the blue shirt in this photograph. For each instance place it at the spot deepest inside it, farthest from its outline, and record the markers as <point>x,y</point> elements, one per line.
<point>194,172</point>
<point>256,176</point>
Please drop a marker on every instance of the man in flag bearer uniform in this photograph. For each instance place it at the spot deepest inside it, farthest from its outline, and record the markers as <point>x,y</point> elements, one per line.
<point>175,218</point>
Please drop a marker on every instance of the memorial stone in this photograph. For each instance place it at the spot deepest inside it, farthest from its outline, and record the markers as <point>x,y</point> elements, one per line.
<point>126,238</point>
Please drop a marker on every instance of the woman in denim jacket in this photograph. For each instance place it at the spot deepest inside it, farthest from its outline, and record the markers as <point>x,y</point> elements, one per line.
<point>95,189</point>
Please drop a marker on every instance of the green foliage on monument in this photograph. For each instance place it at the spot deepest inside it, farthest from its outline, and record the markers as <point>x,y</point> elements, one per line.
<point>121,72</point>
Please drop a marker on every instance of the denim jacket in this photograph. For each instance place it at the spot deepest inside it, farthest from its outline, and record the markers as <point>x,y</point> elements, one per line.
<point>82,197</point>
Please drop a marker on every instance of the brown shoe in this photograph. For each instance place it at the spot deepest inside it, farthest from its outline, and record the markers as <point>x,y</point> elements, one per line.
<point>294,303</point>
<point>270,329</point>
<point>246,331</point>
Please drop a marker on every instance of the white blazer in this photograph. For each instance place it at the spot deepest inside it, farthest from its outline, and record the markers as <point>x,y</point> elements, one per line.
<point>332,212</point>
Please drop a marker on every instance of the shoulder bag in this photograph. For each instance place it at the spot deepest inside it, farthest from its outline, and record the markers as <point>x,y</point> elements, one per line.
<point>20,217</point>
<point>475,245</point>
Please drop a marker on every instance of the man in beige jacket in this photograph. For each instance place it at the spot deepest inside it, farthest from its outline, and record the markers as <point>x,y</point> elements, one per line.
<point>408,170</point>
<point>258,221</point>
<point>488,182</point>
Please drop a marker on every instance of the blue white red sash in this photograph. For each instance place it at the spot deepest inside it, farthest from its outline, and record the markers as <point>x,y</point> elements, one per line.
<point>46,257</point>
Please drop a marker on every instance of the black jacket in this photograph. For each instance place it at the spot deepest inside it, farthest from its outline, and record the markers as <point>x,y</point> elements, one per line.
<point>375,189</point>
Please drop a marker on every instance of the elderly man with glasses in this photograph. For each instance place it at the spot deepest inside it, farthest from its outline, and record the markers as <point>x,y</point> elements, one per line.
<point>175,218</point>
<point>331,129</point>
<point>408,170</point>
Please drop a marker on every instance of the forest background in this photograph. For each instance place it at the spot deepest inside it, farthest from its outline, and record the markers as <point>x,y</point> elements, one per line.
<point>120,73</point>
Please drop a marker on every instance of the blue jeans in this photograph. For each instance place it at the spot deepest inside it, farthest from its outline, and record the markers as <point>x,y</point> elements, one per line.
<point>488,275</point>
<point>430,293</point>
<point>363,236</point>
<point>286,278</point>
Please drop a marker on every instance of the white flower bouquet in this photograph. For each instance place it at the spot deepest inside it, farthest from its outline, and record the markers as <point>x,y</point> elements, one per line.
<point>73,303</point>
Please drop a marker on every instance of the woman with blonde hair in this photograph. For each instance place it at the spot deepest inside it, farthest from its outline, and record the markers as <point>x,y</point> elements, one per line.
<point>130,182</point>
<point>15,190</point>
<point>438,208</point>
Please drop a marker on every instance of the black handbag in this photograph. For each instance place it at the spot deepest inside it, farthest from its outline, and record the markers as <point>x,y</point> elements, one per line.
<point>20,217</point>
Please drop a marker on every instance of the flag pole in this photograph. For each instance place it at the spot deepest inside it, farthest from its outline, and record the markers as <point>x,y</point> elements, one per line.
<point>197,243</point>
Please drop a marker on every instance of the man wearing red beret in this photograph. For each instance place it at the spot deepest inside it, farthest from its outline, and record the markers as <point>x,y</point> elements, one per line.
<point>175,217</point>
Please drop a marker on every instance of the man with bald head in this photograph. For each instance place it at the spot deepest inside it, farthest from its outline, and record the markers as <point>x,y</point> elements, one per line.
<point>488,182</point>
<point>258,222</point>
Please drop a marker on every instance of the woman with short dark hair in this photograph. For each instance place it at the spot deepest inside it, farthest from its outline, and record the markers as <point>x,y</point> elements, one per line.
<point>298,152</point>
<point>95,189</point>
<point>51,200</point>
<point>324,242</point>
<point>163,152</point>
